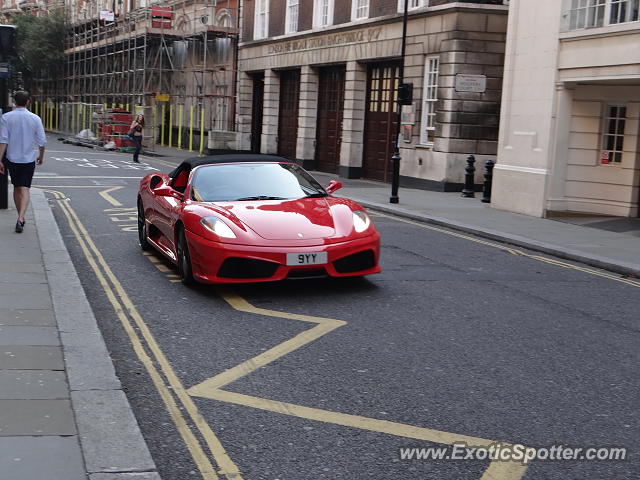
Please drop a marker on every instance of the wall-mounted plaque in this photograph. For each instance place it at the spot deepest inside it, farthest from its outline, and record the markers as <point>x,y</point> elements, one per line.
<point>471,83</point>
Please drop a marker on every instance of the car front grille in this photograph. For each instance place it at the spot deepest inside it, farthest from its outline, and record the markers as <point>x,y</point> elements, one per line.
<point>235,267</point>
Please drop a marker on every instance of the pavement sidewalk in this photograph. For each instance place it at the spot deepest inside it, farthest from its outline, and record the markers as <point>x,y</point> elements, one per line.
<point>63,414</point>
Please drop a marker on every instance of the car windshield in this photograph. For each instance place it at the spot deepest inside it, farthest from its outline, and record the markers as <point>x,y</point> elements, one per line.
<point>253,181</point>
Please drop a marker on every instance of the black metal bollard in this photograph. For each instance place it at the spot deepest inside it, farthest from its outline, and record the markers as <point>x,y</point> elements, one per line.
<point>488,180</point>
<point>469,178</point>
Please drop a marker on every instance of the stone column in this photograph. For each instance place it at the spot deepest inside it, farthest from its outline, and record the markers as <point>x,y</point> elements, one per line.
<point>307,117</point>
<point>353,120</point>
<point>556,199</point>
<point>270,107</point>
<point>245,106</point>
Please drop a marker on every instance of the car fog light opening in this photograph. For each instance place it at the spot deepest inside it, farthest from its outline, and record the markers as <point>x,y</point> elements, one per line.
<point>218,227</point>
<point>361,221</point>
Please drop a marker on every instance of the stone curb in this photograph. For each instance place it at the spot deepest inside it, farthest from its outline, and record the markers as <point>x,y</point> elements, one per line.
<point>109,435</point>
<point>543,247</point>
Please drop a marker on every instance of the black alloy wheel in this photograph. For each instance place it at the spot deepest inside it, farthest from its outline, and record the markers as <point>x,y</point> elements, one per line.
<point>184,260</point>
<point>142,228</point>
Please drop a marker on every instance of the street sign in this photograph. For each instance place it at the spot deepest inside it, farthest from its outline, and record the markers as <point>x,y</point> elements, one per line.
<point>162,97</point>
<point>604,157</point>
<point>471,83</point>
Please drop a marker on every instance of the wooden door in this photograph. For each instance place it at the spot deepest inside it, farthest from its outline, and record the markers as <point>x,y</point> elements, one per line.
<point>288,113</point>
<point>256,112</point>
<point>329,126</point>
<point>381,121</point>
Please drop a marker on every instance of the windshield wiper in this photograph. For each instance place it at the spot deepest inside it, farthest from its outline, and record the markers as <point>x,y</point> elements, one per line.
<point>317,195</point>
<point>259,197</point>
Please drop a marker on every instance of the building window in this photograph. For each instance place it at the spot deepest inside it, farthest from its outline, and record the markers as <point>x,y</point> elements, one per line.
<point>261,23</point>
<point>291,20</point>
<point>598,13</point>
<point>429,99</point>
<point>623,11</point>
<point>359,9</point>
<point>613,138</point>
<point>322,13</point>
<point>412,5</point>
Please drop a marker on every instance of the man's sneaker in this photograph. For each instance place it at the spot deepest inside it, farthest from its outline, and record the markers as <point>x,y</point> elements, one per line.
<point>19,226</point>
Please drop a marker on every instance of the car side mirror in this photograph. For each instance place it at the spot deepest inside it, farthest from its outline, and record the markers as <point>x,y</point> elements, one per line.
<point>333,186</point>
<point>168,191</point>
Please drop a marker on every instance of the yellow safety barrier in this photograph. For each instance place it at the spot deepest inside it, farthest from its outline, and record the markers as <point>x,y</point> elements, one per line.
<point>191,129</point>
<point>201,129</point>
<point>162,127</point>
<point>180,127</point>
<point>155,122</point>
<point>170,125</point>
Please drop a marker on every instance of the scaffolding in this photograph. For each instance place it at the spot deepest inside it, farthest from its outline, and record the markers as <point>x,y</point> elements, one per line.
<point>173,61</point>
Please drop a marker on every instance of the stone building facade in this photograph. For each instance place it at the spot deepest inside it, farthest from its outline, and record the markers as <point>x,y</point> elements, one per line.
<point>570,127</point>
<point>318,83</point>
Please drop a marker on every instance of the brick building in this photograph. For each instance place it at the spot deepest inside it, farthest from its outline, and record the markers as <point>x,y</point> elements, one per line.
<point>319,78</point>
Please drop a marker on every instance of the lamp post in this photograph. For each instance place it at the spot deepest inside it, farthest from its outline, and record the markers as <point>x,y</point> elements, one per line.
<point>7,46</point>
<point>395,159</point>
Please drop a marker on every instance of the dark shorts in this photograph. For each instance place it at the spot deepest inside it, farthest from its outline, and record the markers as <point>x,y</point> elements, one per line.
<point>21,173</point>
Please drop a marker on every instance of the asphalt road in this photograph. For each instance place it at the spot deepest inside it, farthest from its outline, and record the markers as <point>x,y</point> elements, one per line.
<point>456,337</point>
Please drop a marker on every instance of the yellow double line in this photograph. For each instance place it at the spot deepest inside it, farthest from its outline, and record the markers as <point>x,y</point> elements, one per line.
<point>162,374</point>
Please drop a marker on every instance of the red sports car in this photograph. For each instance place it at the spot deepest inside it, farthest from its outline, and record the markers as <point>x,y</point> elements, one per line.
<point>253,218</point>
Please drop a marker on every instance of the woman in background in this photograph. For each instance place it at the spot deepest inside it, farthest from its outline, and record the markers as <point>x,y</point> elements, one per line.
<point>137,125</point>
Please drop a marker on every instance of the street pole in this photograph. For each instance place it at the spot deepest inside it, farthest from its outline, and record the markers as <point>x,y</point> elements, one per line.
<point>7,44</point>
<point>395,159</point>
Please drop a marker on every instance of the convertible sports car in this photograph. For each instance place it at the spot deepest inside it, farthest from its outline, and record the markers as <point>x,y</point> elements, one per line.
<point>253,218</point>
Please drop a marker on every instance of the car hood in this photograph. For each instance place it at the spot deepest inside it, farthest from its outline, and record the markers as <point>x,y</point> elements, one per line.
<point>304,218</point>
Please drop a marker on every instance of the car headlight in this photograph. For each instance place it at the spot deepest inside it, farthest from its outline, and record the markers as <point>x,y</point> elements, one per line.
<point>361,221</point>
<point>217,226</point>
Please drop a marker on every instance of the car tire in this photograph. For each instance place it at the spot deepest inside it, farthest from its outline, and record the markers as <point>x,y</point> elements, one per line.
<point>184,260</point>
<point>142,228</point>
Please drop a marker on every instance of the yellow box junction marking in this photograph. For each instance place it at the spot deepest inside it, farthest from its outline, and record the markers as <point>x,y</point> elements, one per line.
<point>212,388</point>
<point>105,194</point>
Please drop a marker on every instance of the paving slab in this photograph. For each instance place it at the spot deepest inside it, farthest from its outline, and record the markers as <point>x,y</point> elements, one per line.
<point>34,296</point>
<point>30,358</point>
<point>27,335</point>
<point>109,433</point>
<point>30,317</point>
<point>21,267</point>
<point>41,458</point>
<point>33,384</point>
<point>22,278</point>
<point>36,417</point>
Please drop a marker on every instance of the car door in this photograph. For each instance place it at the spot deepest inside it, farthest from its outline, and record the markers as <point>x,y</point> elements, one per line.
<point>167,213</point>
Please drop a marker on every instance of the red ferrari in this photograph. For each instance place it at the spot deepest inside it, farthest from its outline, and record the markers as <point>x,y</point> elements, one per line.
<point>253,218</point>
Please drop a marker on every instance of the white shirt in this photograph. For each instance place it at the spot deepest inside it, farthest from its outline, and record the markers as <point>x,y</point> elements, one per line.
<point>22,131</point>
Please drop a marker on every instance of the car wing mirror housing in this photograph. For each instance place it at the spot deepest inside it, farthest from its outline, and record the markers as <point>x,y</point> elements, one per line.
<point>168,191</point>
<point>333,186</point>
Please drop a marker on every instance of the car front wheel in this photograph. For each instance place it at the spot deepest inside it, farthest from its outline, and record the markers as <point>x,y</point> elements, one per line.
<point>184,260</point>
<point>142,228</point>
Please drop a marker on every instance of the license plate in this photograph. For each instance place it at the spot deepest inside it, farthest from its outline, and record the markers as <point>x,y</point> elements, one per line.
<point>309,258</point>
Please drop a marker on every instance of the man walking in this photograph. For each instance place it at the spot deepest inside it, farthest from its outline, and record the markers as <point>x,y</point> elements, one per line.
<point>20,132</point>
